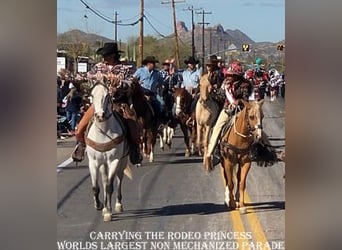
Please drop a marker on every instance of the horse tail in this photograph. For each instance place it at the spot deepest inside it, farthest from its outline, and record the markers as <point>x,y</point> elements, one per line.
<point>128,172</point>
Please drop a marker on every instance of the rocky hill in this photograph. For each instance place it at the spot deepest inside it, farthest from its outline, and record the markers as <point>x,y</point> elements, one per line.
<point>78,36</point>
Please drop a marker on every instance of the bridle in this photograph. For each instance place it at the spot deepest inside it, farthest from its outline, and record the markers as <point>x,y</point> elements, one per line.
<point>108,100</point>
<point>251,131</point>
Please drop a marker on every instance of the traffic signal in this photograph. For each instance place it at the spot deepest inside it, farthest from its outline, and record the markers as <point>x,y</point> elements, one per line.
<point>245,47</point>
<point>280,47</point>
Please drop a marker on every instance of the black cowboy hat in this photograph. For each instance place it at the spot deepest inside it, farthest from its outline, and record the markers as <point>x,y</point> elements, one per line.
<point>149,59</point>
<point>108,49</point>
<point>191,60</point>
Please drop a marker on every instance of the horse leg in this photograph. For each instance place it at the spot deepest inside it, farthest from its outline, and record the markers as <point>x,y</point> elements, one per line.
<point>107,193</point>
<point>186,138</point>
<point>199,139</point>
<point>94,171</point>
<point>242,177</point>
<point>206,139</point>
<point>162,139</point>
<point>193,138</point>
<point>118,204</point>
<point>149,145</point>
<point>170,133</point>
<point>229,192</point>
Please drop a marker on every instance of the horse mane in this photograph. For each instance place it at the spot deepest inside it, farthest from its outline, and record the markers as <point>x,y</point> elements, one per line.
<point>204,84</point>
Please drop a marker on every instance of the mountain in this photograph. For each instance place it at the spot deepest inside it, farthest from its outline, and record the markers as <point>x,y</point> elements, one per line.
<point>217,40</point>
<point>78,36</point>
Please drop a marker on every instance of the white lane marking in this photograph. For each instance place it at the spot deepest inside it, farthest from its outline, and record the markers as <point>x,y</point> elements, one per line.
<point>64,164</point>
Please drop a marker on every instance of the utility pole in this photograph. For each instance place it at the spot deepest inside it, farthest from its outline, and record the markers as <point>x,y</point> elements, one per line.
<point>210,40</point>
<point>175,28</point>
<point>203,23</point>
<point>141,37</point>
<point>115,26</point>
<point>193,29</point>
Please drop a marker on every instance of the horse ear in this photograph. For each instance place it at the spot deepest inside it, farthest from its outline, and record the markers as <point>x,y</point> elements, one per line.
<point>261,102</point>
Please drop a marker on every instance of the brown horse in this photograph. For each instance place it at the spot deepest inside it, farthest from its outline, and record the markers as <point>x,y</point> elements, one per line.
<point>207,111</point>
<point>146,119</point>
<point>236,145</point>
<point>182,100</point>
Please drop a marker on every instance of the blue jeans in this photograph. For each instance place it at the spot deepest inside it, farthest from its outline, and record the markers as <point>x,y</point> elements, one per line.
<point>72,118</point>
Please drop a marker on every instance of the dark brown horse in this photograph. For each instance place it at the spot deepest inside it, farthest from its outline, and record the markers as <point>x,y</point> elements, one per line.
<point>183,115</point>
<point>145,117</point>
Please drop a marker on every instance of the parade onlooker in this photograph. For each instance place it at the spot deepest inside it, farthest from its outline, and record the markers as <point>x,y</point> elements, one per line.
<point>73,107</point>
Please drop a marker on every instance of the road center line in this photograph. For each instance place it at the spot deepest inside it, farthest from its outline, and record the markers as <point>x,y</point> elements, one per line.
<point>255,226</point>
<point>64,164</point>
<point>238,227</point>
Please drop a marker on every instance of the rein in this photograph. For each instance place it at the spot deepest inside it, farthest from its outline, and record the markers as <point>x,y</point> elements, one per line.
<point>248,125</point>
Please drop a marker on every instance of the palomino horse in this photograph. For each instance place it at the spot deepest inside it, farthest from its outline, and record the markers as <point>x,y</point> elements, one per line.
<point>206,113</point>
<point>236,145</point>
<point>107,151</point>
<point>146,119</point>
<point>183,100</point>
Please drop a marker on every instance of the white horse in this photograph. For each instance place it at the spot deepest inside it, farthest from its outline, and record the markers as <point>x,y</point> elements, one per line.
<point>107,151</point>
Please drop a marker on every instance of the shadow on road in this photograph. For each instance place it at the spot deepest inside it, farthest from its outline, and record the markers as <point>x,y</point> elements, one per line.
<point>267,206</point>
<point>172,210</point>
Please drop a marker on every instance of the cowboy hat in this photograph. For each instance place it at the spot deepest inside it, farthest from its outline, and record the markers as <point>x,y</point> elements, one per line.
<point>191,60</point>
<point>149,59</point>
<point>108,49</point>
<point>167,62</point>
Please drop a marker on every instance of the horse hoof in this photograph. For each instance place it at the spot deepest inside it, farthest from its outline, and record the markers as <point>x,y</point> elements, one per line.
<point>187,154</point>
<point>99,206</point>
<point>232,205</point>
<point>243,210</point>
<point>118,208</point>
<point>107,217</point>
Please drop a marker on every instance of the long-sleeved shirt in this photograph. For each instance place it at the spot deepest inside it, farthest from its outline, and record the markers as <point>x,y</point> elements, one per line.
<point>149,79</point>
<point>191,79</point>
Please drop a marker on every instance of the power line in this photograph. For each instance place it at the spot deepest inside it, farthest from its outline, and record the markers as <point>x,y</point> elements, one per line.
<point>151,16</point>
<point>156,29</point>
<point>105,18</point>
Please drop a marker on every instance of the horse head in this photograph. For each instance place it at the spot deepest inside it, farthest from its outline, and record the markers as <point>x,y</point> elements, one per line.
<point>101,101</point>
<point>205,87</point>
<point>182,100</point>
<point>254,116</point>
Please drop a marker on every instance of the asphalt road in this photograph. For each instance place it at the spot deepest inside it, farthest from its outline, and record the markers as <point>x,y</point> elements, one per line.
<point>173,204</point>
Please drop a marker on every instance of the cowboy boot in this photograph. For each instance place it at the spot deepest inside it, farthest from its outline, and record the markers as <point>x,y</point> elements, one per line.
<point>78,153</point>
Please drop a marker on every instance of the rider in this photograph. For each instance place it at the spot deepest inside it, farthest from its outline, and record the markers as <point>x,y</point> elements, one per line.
<point>103,71</point>
<point>215,74</point>
<point>150,80</point>
<point>191,80</point>
<point>236,87</point>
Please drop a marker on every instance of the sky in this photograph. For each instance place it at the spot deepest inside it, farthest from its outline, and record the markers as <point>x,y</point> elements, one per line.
<point>261,20</point>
